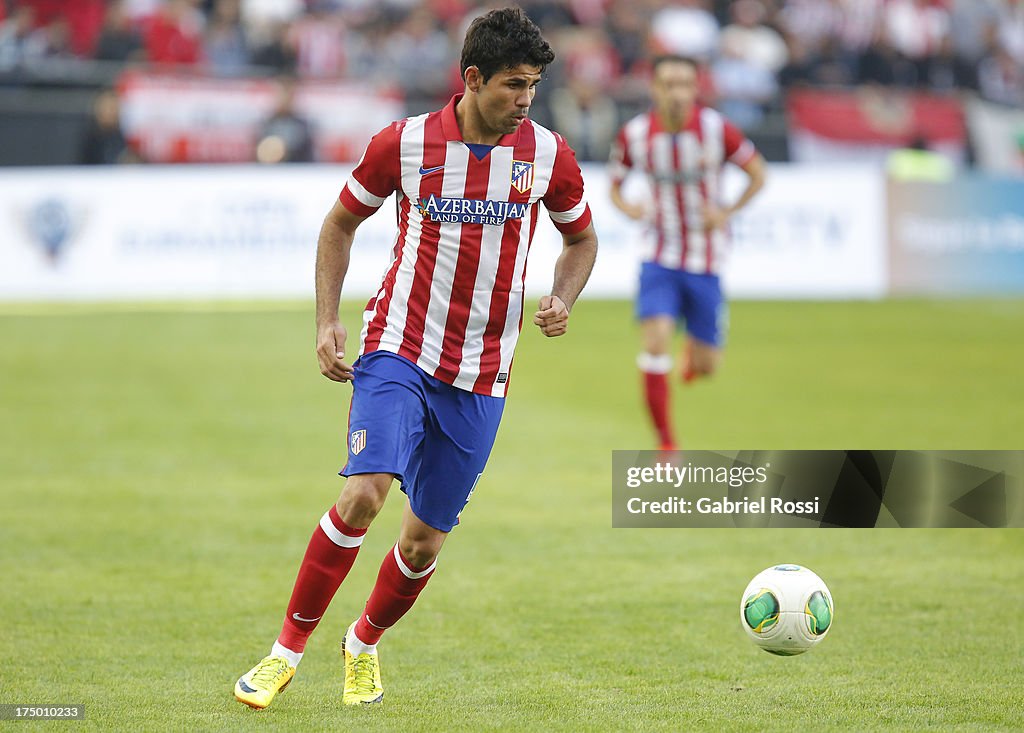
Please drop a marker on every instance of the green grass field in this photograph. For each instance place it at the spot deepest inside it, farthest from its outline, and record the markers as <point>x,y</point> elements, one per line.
<point>162,470</point>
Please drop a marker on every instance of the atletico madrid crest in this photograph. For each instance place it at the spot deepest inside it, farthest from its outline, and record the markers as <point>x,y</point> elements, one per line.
<point>357,442</point>
<point>522,176</point>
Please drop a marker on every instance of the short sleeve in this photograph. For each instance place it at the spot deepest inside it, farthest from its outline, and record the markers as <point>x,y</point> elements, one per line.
<point>738,148</point>
<point>564,199</point>
<point>620,161</point>
<point>377,174</point>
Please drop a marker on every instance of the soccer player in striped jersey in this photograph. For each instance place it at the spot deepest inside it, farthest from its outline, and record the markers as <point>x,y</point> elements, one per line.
<point>681,146</point>
<point>439,335</point>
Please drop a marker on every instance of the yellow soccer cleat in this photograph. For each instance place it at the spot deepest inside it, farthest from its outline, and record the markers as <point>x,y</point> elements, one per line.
<point>257,687</point>
<point>362,677</point>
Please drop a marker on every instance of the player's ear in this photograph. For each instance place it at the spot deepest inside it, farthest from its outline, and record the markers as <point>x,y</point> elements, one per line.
<point>473,78</point>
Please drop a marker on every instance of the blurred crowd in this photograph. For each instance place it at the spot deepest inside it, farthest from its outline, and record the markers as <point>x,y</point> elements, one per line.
<point>751,49</point>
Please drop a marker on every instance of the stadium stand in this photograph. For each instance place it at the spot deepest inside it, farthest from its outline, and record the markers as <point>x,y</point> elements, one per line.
<point>57,56</point>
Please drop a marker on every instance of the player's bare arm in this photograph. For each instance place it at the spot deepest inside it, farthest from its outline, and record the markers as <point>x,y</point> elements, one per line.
<point>571,273</point>
<point>717,218</point>
<point>332,257</point>
<point>632,209</point>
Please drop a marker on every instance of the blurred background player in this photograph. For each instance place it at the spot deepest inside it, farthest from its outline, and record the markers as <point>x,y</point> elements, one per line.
<point>439,336</point>
<point>104,142</point>
<point>286,136</point>
<point>681,146</point>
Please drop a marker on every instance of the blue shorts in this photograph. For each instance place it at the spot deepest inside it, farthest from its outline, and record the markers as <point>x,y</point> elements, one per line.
<point>435,438</point>
<point>692,297</point>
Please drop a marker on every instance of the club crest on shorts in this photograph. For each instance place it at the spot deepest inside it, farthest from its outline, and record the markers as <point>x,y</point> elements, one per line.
<point>357,442</point>
<point>522,175</point>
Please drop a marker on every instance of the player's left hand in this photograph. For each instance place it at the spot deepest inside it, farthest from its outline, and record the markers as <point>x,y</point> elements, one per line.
<point>553,316</point>
<point>715,218</point>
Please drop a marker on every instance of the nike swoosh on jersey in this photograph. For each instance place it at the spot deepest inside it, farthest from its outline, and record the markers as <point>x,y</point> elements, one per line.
<point>297,617</point>
<point>428,171</point>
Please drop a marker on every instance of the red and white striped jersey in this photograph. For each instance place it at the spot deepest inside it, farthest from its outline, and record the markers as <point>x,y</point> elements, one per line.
<point>452,298</point>
<point>684,170</point>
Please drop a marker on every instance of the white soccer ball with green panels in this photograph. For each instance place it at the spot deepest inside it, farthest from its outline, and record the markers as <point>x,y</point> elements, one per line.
<point>786,610</point>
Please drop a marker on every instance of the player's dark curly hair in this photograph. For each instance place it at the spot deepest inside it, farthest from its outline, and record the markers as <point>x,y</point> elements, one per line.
<point>504,39</point>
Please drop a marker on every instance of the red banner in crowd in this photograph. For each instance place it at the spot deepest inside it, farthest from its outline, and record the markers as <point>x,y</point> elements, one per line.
<point>870,122</point>
<point>175,119</point>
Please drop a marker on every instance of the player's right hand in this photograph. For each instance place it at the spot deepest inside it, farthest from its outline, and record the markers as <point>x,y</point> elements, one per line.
<point>552,317</point>
<point>330,351</point>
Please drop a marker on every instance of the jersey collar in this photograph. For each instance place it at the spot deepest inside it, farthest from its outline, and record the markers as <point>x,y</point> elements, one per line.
<point>656,125</point>
<point>450,126</point>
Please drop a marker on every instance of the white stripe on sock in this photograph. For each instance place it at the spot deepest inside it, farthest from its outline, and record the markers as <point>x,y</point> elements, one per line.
<point>660,364</point>
<point>335,535</point>
<point>407,572</point>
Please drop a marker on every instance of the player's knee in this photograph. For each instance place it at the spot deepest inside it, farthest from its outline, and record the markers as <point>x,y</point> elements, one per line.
<point>657,337</point>
<point>421,551</point>
<point>656,348</point>
<point>657,345</point>
<point>362,498</point>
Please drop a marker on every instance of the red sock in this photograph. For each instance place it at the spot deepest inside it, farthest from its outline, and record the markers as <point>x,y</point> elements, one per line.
<point>398,585</point>
<point>332,550</point>
<point>656,392</point>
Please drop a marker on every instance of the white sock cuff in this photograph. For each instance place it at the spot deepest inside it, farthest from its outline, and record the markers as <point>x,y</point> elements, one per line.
<point>335,535</point>
<point>282,651</point>
<point>652,364</point>
<point>355,645</point>
<point>409,572</point>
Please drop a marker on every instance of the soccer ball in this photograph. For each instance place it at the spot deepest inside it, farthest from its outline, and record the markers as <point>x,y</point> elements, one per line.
<point>786,610</point>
